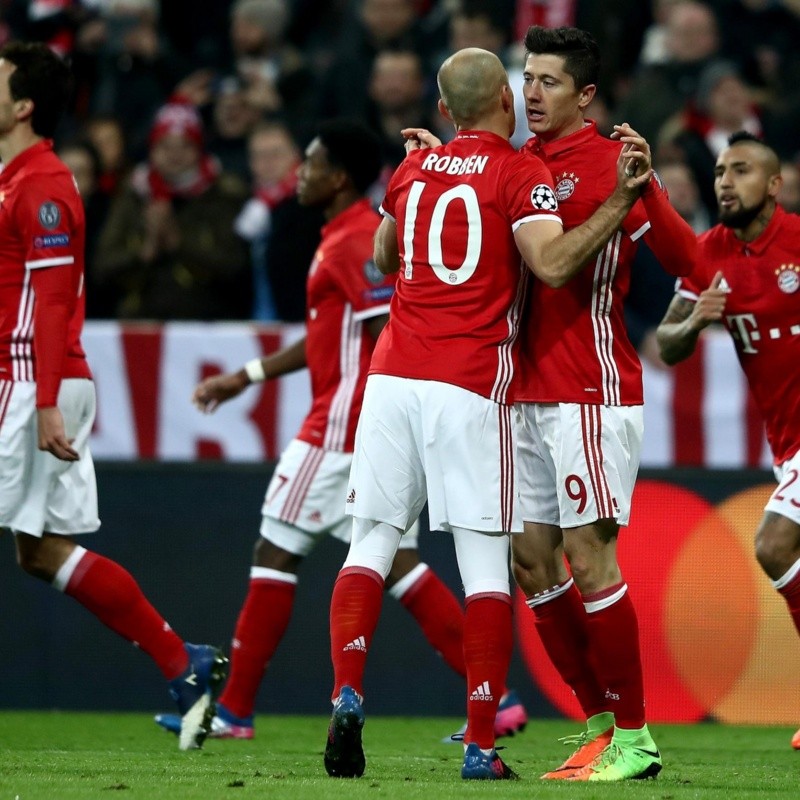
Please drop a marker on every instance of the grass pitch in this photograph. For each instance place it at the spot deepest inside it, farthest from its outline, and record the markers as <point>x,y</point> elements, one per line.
<point>79,756</point>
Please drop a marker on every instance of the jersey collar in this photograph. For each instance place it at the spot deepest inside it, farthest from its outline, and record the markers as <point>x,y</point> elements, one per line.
<point>559,146</point>
<point>25,157</point>
<point>759,245</point>
<point>484,135</point>
<point>342,219</point>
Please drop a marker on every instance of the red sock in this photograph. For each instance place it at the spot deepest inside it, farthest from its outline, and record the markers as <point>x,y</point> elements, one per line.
<point>437,612</point>
<point>355,609</point>
<point>561,625</point>
<point>259,630</point>
<point>488,640</point>
<point>614,641</point>
<point>113,596</point>
<point>791,594</point>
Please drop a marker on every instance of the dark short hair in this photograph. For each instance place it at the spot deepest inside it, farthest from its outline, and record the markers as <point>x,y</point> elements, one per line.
<point>745,136</point>
<point>578,48</point>
<point>44,78</point>
<point>353,147</point>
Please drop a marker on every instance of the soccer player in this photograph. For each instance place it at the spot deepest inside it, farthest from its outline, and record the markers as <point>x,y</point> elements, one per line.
<point>747,277</point>
<point>582,420</point>
<point>47,398</point>
<point>437,423</point>
<point>347,304</point>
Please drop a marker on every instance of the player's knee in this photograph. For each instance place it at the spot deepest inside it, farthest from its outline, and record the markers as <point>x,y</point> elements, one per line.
<point>35,561</point>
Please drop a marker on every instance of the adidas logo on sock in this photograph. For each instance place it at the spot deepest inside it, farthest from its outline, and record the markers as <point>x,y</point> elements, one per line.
<point>357,644</point>
<point>483,692</point>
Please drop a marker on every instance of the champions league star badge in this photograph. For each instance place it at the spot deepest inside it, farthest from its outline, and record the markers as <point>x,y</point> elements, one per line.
<point>566,184</point>
<point>788,278</point>
<point>543,198</point>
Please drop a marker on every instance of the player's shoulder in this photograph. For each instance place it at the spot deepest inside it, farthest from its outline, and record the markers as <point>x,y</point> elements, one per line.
<point>712,239</point>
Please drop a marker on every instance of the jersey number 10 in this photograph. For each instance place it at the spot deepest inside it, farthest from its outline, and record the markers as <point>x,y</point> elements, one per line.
<point>453,275</point>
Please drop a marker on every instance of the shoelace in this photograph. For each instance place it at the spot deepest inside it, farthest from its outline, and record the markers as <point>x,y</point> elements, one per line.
<point>576,739</point>
<point>607,756</point>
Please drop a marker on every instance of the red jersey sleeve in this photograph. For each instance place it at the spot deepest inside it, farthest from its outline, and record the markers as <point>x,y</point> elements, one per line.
<point>48,229</point>
<point>528,189</point>
<point>670,237</point>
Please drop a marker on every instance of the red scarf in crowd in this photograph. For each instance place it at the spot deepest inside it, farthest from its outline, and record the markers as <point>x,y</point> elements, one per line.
<point>276,193</point>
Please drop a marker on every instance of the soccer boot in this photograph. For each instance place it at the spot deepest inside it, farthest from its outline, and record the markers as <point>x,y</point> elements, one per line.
<point>511,718</point>
<point>344,754</point>
<point>618,763</point>
<point>587,749</point>
<point>478,766</point>
<point>224,725</point>
<point>796,741</point>
<point>194,692</point>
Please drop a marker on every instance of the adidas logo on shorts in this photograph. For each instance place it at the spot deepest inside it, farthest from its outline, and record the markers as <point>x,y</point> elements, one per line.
<point>483,692</point>
<point>351,498</point>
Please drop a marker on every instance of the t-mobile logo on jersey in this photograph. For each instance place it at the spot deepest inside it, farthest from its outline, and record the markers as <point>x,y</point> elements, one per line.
<point>744,329</point>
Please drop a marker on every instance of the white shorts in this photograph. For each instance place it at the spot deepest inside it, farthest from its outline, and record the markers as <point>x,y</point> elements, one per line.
<point>785,499</point>
<point>578,463</point>
<point>425,440</point>
<point>38,492</point>
<point>307,494</point>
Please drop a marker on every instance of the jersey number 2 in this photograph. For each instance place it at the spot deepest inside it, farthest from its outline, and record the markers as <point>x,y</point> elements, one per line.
<point>452,275</point>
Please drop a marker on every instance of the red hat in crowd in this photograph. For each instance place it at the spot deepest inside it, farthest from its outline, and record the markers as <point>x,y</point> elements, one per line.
<point>177,119</point>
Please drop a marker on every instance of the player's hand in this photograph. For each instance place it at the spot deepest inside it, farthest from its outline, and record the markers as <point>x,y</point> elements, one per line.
<point>710,305</point>
<point>419,139</point>
<point>634,165</point>
<point>52,437</point>
<point>214,391</point>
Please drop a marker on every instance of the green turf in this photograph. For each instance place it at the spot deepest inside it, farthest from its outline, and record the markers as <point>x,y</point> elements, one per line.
<point>55,756</point>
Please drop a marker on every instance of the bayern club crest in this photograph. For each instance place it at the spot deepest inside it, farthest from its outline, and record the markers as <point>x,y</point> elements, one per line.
<point>788,278</point>
<point>566,183</point>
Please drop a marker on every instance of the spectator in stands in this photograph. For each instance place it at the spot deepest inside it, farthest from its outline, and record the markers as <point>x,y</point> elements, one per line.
<point>169,246</point>
<point>233,118</point>
<point>721,106</point>
<point>283,234</point>
<point>377,25</point>
<point>273,72</point>
<point>136,69</point>
<point>397,95</point>
<point>789,191</point>
<point>83,161</point>
<point>107,136</point>
<point>661,90</point>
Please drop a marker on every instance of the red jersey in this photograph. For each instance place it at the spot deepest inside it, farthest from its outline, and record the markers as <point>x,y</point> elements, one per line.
<point>456,312</point>
<point>344,288</point>
<point>576,347</point>
<point>762,314</point>
<point>42,234</point>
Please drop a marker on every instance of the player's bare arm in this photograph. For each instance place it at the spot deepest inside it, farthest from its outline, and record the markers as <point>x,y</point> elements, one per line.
<point>679,330</point>
<point>386,252</point>
<point>212,392</point>
<point>51,434</point>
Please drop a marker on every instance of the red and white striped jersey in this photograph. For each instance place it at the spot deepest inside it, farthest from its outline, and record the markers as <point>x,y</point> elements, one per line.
<point>344,288</point>
<point>456,312</point>
<point>762,314</point>
<point>41,227</point>
<point>576,347</point>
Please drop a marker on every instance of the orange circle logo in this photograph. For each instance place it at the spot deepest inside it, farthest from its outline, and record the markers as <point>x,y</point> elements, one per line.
<point>716,638</point>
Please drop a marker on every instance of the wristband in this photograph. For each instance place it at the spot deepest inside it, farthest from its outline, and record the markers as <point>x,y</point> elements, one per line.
<point>255,371</point>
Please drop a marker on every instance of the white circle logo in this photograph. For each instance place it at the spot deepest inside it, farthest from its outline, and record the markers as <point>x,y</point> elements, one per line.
<point>564,189</point>
<point>543,198</point>
<point>788,281</point>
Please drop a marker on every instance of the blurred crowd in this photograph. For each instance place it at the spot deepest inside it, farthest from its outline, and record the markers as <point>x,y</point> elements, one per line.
<point>189,121</point>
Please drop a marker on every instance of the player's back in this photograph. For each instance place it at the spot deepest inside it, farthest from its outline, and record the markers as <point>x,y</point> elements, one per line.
<point>455,313</point>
